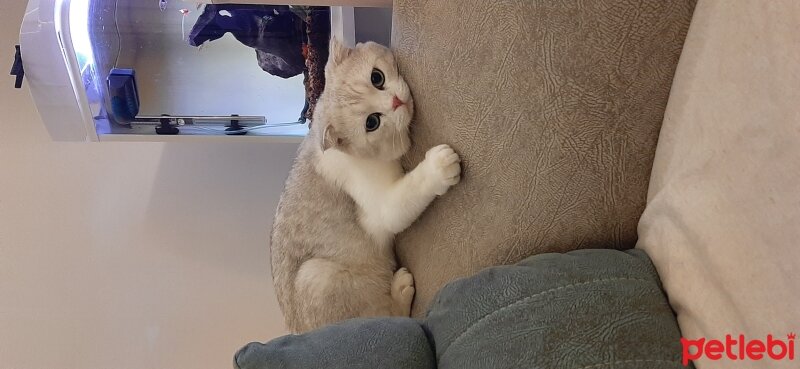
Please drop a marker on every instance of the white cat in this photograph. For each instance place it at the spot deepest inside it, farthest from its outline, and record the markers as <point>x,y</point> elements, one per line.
<point>347,196</point>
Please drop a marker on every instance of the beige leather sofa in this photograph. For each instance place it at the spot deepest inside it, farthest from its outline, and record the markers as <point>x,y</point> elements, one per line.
<point>556,109</point>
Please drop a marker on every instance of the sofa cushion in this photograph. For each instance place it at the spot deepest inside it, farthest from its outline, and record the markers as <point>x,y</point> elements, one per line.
<point>583,309</point>
<point>555,108</point>
<point>355,344</point>
<point>722,222</point>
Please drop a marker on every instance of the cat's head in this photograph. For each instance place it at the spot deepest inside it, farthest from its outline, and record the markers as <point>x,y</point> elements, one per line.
<point>366,106</point>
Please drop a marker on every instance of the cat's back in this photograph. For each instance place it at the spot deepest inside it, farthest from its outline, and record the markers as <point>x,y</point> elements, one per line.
<point>314,220</point>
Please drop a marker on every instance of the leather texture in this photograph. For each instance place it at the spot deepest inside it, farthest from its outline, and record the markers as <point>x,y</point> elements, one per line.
<point>722,222</point>
<point>554,107</point>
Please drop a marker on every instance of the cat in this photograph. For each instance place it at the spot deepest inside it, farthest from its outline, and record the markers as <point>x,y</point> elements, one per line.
<point>347,196</point>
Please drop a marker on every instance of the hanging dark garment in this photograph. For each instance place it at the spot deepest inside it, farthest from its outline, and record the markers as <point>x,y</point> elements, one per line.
<point>274,31</point>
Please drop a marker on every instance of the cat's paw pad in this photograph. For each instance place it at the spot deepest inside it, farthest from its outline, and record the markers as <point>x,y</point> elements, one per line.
<point>403,286</point>
<point>444,167</point>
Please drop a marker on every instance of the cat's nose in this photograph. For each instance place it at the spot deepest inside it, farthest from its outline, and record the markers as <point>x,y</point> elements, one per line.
<point>396,103</point>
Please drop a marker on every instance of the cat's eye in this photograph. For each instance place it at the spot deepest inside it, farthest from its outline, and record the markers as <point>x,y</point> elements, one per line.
<point>377,78</point>
<point>373,122</point>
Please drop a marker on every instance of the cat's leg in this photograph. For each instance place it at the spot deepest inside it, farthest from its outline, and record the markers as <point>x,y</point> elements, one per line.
<point>402,292</point>
<point>316,285</point>
<point>327,291</point>
<point>408,197</point>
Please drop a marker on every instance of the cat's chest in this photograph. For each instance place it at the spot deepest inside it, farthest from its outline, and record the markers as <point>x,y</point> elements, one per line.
<point>364,180</point>
<point>367,182</point>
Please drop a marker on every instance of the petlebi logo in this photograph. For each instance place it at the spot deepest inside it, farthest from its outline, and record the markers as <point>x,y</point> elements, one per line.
<point>739,348</point>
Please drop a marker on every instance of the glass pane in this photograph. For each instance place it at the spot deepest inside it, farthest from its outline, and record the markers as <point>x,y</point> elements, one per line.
<point>200,62</point>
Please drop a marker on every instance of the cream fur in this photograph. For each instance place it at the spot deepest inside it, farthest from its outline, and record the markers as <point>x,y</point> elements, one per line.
<point>347,196</point>
<point>388,200</point>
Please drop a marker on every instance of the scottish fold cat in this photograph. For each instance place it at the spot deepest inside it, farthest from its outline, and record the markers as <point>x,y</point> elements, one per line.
<point>347,196</point>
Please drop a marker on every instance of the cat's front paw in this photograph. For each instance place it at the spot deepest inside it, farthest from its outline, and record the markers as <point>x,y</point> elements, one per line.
<point>444,168</point>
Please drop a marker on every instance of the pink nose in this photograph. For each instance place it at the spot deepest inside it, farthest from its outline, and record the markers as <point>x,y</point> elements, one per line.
<point>396,103</point>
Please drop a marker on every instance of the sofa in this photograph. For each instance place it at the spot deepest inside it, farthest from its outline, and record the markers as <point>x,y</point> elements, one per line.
<point>555,109</point>
<point>604,125</point>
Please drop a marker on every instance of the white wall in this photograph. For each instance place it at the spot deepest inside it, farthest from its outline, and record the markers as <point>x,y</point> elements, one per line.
<point>129,255</point>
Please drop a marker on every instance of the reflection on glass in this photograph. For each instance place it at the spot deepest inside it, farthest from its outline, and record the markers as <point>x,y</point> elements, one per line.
<point>194,61</point>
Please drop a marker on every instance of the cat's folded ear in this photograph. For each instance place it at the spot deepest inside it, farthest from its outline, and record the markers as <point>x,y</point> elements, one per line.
<point>338,51</point>
<point>331,139</point>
